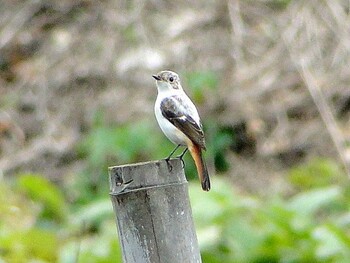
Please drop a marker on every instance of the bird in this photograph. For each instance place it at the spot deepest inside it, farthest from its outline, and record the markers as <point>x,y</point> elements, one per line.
<point>179,120</point>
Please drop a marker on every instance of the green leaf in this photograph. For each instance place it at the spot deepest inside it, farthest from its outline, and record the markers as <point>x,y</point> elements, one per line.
<point>318,172</point>
<point>332,242</point>
<point>94,212</point>
<point>307,203</point>
<point>43,191</point>
<point>126,143</point>
<point>32,244</point>
<point>102,247</point>
<point>201,81</point>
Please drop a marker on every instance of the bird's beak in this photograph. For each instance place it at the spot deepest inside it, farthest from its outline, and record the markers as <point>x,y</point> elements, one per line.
<point>156,77</point>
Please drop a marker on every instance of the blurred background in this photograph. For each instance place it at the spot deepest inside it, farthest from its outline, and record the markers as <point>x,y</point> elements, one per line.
<point>270,79</point>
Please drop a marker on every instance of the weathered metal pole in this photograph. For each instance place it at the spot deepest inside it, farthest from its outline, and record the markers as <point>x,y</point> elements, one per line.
<point>153,213</point>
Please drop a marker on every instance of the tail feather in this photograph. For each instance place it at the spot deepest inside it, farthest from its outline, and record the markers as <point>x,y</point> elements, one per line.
<point>202,170</point>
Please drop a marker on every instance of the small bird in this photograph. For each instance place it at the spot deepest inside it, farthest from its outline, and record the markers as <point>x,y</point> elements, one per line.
<point>179,120</point>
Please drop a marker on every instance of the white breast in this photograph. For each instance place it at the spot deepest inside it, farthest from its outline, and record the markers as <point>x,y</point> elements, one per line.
<point>171,132</point>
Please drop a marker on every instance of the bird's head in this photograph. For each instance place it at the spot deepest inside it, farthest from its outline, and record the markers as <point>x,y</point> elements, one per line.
<point>167,80</point>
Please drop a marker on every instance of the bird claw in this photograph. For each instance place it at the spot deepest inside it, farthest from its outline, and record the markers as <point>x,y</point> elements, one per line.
<point>181,158</point>
<point>182,161</point>
<point>123,186</point>
<point>170,167</point>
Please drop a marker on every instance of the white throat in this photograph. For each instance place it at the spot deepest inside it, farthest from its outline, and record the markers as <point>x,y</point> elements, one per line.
<point>165,90</point>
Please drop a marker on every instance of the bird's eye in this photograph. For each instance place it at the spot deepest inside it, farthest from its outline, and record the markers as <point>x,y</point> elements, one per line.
<point>171,79</point>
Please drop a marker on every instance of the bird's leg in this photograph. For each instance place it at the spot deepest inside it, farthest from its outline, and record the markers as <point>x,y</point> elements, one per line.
<point>168,158</point>
<point>171,154</point>
<point>181,157</point>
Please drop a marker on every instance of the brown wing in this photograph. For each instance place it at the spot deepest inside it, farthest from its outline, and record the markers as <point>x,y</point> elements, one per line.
<point>175,111</point>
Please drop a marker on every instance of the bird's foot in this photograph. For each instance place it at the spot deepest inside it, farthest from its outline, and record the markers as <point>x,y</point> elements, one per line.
<point>170,167</point>
<point>182,160</point>
<point>181,157</point>
<point>123,186</point>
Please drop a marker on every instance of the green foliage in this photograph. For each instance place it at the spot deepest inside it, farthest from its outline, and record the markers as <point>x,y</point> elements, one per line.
<point>316,173</point>
<point>100,247</point>
<point>39,224</point>
<point>126,143</point>
<point>130,34</point>
<point>312,200</point>
<point>21,237</point>
<point>278,4</point>
<point>302,228</point>
<point>111,145</point>
<point>201,82</point>
<point>219,141</point>
<point>23,246</point>
<point>32,229</point>
<point>93,213</point>
<point>41,190</point>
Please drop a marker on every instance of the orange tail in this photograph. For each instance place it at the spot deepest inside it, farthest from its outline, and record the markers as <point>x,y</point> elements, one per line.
<point>203,175</point>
